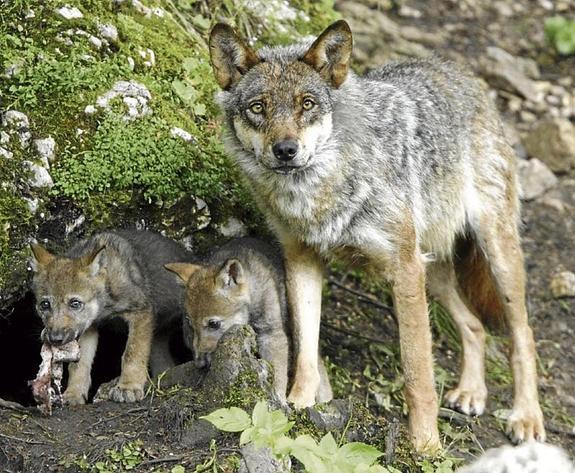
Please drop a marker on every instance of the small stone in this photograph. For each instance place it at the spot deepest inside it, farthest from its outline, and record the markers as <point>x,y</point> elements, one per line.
<point>261,460</point>
<point>527,117</point>
<point>69,13</point>
<point>131,63</point>
<point>108,31</point>
<point>40,178</point>
<point>535,178</point>
<point>32,204</point>
<point>5,153</point>
<point>182,134</point>
<point>96,42</point>
<point>4,138</point>
<point>409,12</point>
<point>90,110</point>
<point>46,148</point>
<point>514,104</point>
<point>233,227</point>
<point>563,284</point>
<point>553,142</point>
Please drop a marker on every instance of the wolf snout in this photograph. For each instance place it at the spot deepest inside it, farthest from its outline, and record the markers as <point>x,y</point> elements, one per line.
<point>58,336</point>
<point>285,150</point>
<point>202,360</point>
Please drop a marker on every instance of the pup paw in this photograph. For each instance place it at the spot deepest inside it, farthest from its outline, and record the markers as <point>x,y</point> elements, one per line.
<point>127,393</point>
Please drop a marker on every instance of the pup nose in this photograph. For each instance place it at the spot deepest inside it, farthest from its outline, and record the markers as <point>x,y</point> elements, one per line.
<point>56,337</point>
<point>285,150</point>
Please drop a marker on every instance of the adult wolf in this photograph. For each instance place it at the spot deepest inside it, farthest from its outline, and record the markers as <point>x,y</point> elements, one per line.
<point>111,274</point>
<point>405,168</point>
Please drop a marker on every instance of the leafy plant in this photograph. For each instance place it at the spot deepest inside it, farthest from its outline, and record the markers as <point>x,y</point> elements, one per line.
<point>266,428</point>
<point>560,32</point>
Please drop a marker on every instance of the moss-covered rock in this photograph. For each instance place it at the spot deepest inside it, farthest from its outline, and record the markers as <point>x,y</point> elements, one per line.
<point>123,90</point>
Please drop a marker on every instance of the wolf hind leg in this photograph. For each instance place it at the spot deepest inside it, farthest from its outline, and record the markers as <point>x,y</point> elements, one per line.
<point>500,242</point>
<point>470,395</point>
<point>80,377</point>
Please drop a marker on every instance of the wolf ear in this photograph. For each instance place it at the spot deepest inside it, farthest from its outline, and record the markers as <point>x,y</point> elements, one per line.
<point>183,270</point>
<point>94,260</point>
<point>41,257</point>
<point>231,274</point>
<point>330,53</point>
<point>231,57</point>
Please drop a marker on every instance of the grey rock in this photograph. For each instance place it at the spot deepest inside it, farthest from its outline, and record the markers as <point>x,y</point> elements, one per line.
<point>553,142</point>
<point>509,73</point>
<point>233,227</point>
<point>330,417</point>
<point>40,178</point>
<point>108,32</point>
<point>69,13</point>
<point>182,134</point>
<point>563,284</point>
<point>535,178</point>
<point>261,460</point>
<point>5,153</point>
<point>531,457</point>
<point>46,148</point>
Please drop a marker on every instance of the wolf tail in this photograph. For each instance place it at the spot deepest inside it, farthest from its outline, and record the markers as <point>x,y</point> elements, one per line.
<point>477,284</point>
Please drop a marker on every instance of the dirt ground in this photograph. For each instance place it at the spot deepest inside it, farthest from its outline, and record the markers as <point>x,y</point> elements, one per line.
<point>359,335</point>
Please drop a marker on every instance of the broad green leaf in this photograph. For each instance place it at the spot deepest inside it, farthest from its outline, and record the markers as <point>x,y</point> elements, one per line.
<point>233,419</point>
<point>283,446</point>
<point>260,415</point>
<point>357,452</point>
<point>328,446</point>
<point>178,469</point>
<point>363,468</point>
<point>247,435</point>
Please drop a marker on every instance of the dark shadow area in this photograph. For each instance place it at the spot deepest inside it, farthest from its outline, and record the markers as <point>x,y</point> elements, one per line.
<point>20,351</point>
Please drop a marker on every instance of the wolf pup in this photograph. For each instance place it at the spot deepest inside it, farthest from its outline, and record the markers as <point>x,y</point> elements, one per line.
<point>116,274</point>
<point>242,283</point>
<point>400,168</point>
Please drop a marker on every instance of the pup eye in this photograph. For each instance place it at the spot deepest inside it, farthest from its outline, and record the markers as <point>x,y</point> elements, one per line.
<point>214,324</point>
<point>257,108</point>
<point>75,304</point>
<point>45,305</point>
<point>308,104</point>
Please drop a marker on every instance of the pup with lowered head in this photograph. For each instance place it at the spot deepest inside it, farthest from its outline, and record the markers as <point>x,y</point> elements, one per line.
<point>112,274</point>
<point>242,283</point>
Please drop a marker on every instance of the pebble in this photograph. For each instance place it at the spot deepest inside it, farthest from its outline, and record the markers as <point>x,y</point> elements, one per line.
<point>69,13</point>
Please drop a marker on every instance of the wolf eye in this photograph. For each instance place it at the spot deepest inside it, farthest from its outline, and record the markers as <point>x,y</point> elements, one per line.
<point>45,305</point>
<point>308,104</point>
<point>257,108</point>
<point>214,324</point>
<point>75,304</point>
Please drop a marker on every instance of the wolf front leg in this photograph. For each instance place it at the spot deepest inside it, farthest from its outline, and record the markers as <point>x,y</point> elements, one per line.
<point>130,387</point>
<point>408,287</point>
<point>80,377</point>
<point>304,279</point>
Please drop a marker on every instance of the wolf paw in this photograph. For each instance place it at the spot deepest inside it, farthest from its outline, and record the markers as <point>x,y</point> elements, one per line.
<point>301,398</point>
<point>427,443</point>
<point>526,424</point>
<point>126,393</point>
<point>73,398</point>
<point>468,402</point>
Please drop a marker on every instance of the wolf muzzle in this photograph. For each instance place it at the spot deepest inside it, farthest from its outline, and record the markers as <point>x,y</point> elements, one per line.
<point>202,360</point>
<point>58,336</point>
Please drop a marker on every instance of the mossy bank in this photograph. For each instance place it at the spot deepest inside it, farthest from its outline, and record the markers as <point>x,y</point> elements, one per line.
<point>108,119</point>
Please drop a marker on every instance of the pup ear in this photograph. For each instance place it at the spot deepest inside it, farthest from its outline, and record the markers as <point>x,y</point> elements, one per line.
<point>41,257</point>
<point>94,261</point>
<point>231,57</point>
<point>183,270</point>
<point>231,274</point>
<point>330,53</point>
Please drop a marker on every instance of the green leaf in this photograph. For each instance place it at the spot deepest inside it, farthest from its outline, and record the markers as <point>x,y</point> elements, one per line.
<point>358,452</point>
<point>283,446</point>
<point>328,446</point>
<point>178,469</point>
<point>260,415</point>
<point>247,435</point>
<point>233,419</point>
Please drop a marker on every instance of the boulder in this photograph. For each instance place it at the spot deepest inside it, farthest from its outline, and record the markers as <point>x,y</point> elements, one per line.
<point>535,178</point>
<point>553,142</point>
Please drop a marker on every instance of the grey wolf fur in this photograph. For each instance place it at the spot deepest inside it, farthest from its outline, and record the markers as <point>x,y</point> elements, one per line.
<point>398,169</point>
<point>113,274</point>
<point>241,283</point>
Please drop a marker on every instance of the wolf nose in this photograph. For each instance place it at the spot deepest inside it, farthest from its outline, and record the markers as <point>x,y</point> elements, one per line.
<point>202,360</point>
<point>56,337</point>
<point>285,150</point>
